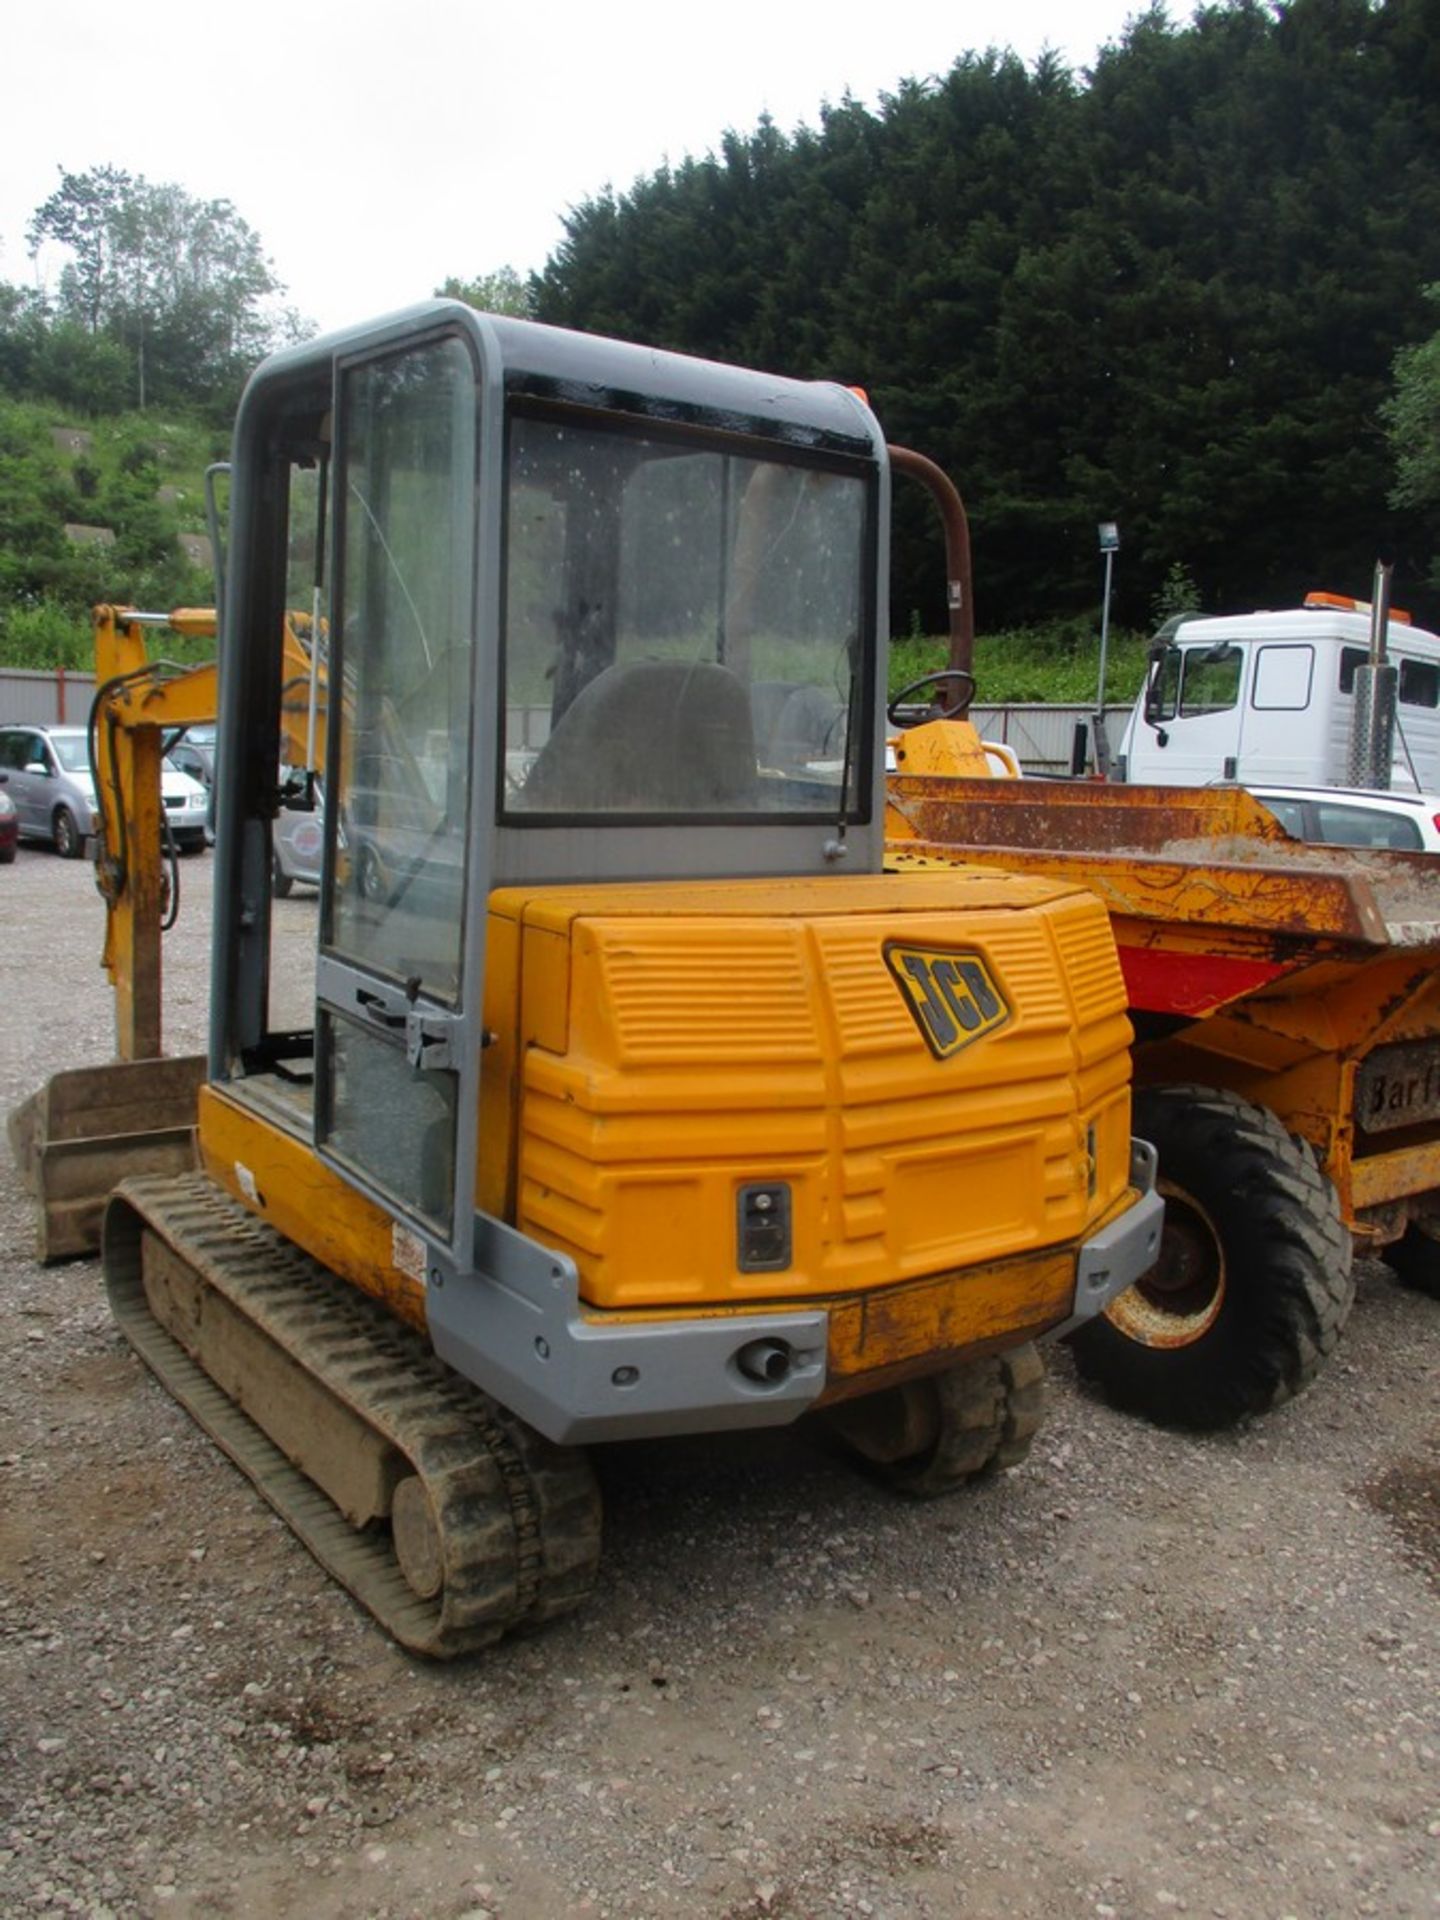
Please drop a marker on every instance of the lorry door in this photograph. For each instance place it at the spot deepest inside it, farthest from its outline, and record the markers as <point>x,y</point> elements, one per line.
<point>1282,735</point>
<point>1195,713</point>
<point>397,983</point>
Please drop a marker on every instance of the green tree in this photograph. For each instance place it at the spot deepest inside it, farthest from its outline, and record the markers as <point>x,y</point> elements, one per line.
<point>500,292</point>
<point>1168,291</point>
<point>181,284</point>
<point>1178,594</point>
<point>43,355</point>
<point>1412,421</point>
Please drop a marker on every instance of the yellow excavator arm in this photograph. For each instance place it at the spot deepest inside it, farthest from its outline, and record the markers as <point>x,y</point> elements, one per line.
<point>138,701</point>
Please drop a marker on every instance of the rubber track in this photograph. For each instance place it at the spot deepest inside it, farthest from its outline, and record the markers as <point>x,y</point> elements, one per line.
<point>519,1518</point>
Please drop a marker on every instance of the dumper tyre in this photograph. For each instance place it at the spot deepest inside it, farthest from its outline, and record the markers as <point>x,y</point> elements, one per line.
<point>930,1436</point>
<point>1414,1259</point>
<point>1254,1280</point>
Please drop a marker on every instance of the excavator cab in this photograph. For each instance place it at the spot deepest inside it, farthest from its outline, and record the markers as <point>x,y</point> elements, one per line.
<point>580,631</point>
<point>619,1090</point>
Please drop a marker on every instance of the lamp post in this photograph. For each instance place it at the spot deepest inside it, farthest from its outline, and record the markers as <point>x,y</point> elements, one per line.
<point>1109,546</point>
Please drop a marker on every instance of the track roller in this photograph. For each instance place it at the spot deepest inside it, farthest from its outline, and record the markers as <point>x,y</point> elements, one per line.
<point>444,1515</point>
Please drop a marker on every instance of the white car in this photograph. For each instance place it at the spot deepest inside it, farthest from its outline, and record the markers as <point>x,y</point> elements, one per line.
<point>1348,817</point>
<point>187,804</point>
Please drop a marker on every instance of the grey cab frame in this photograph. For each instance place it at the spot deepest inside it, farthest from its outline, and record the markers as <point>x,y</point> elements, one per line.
<point>409,1023</point>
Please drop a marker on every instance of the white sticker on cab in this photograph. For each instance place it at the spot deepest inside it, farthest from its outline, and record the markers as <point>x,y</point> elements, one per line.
<point>407,1252</point>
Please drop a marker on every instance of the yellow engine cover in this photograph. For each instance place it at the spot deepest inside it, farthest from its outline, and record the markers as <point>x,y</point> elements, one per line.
<point>935,1063</point>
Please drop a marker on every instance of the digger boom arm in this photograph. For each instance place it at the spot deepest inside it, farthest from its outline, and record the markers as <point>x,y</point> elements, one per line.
<point>138,700</point>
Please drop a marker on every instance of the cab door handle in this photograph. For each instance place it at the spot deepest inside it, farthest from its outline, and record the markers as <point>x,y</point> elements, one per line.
<point>379,1010</point>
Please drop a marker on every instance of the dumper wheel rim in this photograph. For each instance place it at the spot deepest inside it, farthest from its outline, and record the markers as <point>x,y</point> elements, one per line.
<point>928,1437</point>
<point>1182,1296</point>
<point>1282,1284</point>
<point>69,841</point>
<point>1414,1259</point>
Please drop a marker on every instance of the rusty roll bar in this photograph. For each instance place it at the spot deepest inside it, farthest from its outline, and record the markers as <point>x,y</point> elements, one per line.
<point>958,586</point>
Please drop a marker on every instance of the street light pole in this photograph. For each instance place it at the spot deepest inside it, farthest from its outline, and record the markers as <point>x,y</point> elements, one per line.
<point>1109,545</point>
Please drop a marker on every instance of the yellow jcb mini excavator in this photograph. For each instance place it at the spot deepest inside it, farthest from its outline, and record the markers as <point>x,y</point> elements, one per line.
<point>636,1099</point>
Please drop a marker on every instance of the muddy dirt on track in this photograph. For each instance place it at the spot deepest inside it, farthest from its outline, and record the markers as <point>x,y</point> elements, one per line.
<point>1142,1675</point>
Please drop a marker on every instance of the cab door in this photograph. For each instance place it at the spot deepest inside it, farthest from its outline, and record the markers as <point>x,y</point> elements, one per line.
<point>1194,718</point>
<point>398,974</point>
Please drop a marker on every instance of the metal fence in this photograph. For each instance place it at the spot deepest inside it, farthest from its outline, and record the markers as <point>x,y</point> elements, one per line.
<point>1042,737</point>
<point>49,697</point>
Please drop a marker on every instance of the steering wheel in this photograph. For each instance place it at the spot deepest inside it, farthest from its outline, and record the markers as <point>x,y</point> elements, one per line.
<point>947,676</point>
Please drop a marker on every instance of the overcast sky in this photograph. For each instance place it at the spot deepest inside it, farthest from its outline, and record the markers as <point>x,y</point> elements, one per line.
<point>377,149</point>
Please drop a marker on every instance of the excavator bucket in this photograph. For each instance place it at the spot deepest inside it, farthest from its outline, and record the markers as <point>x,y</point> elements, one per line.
<point>87,1130</point>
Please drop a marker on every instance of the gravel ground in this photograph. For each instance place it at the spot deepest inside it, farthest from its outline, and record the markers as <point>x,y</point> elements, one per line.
<point>1141,1675</point>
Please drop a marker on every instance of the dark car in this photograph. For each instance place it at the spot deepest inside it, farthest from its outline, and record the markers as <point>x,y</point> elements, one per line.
<point>194,753</point>
<point>9,829</point>
<point>401,851</point>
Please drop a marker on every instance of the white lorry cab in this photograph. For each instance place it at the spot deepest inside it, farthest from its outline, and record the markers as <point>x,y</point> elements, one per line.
<point>1270,697</point>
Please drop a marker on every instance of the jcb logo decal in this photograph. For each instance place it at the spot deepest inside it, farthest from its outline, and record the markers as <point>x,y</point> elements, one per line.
<point>952,996</point>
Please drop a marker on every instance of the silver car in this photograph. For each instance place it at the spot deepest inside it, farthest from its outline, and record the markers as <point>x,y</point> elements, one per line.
<point>187,807</point>
<point>46,772</point>
<point>194,753</point>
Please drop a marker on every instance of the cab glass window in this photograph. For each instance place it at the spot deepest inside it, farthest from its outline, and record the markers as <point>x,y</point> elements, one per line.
<point>1282,679</point>
<point>1351,660</point>
<point>1210,681</point>
<point>1162,691</point>
<point>1419,679</point>
<point>1337,825</point>
<point>401,776</point>
<point>1290,813</point>
<point>72,750</point>
<point>683,627</point>
<point>1419,683</point>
